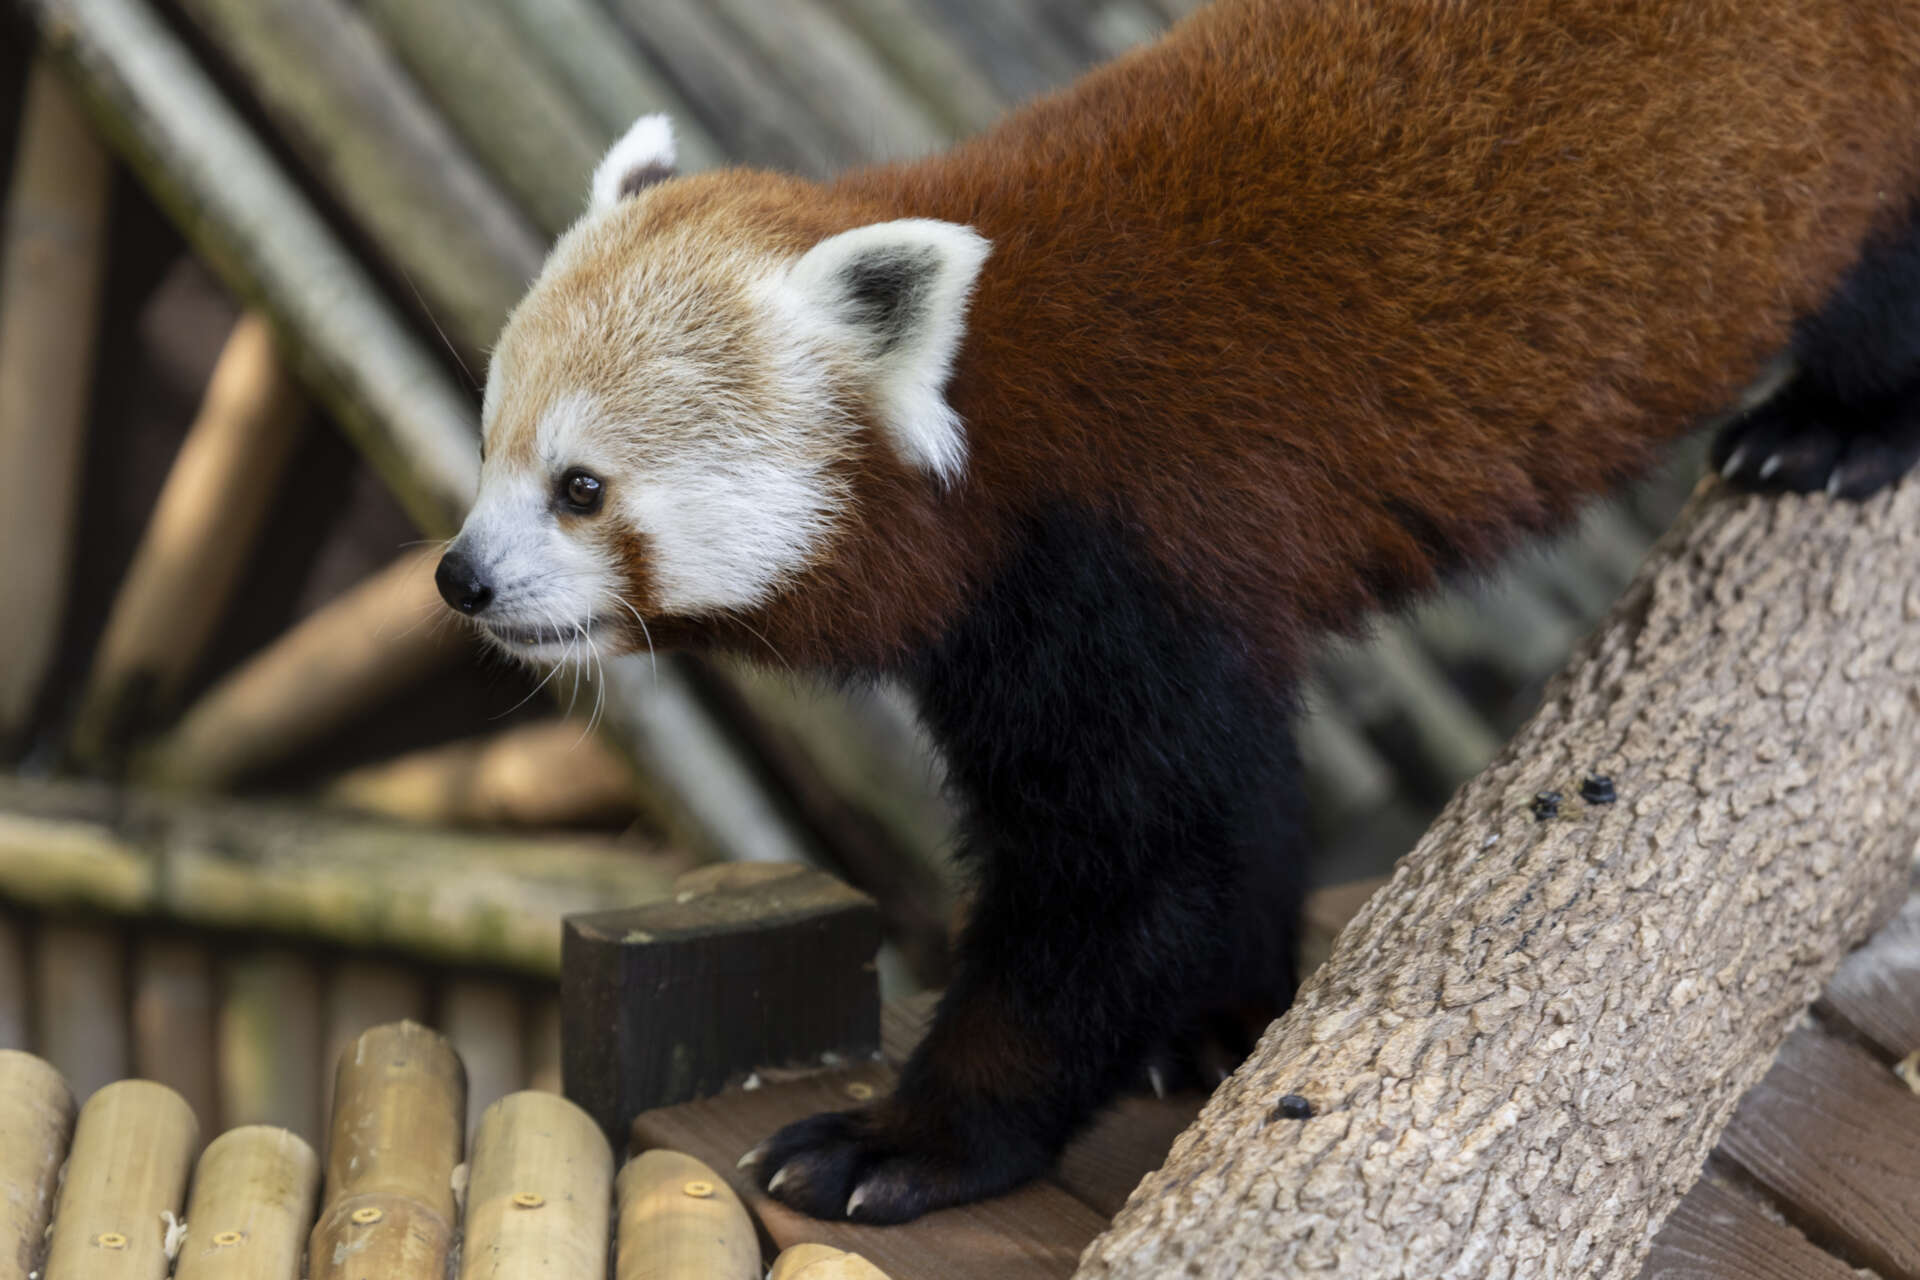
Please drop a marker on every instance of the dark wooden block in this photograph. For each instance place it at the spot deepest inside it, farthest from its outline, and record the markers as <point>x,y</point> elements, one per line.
<point>1718,1234</point>
<point>747,966</point>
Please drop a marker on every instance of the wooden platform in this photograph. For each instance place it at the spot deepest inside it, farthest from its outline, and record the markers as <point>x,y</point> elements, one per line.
<point>1817,1175</point>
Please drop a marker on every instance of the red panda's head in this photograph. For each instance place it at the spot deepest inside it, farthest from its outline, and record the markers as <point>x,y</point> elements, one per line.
<point>675,413</point>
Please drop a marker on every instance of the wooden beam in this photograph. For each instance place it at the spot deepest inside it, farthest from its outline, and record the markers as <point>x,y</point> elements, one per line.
<point>354,117</point>
<point>217,495</point>
<point>337,663</point>
<point>745,967</point>
<point>50,265</point>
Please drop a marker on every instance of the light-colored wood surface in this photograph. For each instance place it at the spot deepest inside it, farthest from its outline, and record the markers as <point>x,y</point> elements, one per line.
<point>680,1220</point>
<point>253,1200</point>
<point>399,1111</point>
<point>539,1193</point>
<point>50,267</point>
<point>36,1124</point>
<point>126,1184</point>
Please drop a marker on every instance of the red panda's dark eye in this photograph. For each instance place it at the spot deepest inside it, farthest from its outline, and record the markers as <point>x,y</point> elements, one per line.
<point>581,492</point>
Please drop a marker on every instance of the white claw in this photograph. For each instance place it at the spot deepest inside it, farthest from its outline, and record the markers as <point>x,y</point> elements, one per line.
<point>1771,465</point>
<point>1158,1079</point>
<point>1734,459</point>
<point>773,1183</point>
<point>1833,484</point>
<point>854,1201</point>
<point>752,1157</point>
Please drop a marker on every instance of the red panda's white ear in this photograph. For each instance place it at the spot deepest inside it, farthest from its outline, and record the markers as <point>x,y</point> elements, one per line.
<point>643,156</point>
<point>896,294</point>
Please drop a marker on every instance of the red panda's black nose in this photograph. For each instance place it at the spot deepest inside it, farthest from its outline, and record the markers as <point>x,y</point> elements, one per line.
<point>461,584</point>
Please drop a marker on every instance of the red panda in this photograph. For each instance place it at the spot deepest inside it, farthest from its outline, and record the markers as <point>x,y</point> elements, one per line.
<point>1090,427</point>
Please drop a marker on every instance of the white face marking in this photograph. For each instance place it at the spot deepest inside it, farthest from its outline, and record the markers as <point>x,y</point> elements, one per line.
<point>716,390</point>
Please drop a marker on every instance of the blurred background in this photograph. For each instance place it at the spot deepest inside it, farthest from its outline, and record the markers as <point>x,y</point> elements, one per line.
<point>256,791</point>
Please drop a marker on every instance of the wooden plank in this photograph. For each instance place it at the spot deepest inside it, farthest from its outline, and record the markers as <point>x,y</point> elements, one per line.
<point>747,965</point>
<point>50,265</point>
<point>1877,989</point>
<point>1718,1234</point>
<point>270,1043</point>
<point>1035,1232</point>
<point>80,1004</point>
<point>1836,1139</point>
<point>174,1001</point>
<point>1128,1140</point>
<point>15,987</point>
<point>216,498</point>
<point>338,662</point>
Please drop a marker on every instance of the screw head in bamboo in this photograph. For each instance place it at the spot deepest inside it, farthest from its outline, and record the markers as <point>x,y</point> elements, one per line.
<point>126,1182</point>
<point>254,1194</point>
<point>679,1220</point>
<point>539,1192</point>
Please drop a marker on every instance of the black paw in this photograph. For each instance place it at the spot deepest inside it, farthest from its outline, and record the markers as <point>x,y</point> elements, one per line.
<point>1800,443</point>
<point>872,1166</point>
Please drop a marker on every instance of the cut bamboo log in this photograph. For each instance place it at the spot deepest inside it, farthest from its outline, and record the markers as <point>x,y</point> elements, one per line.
<point>125,1186</point>
<point>399,1103</point>
<point>338,662</point>
<point>81,1004</point>
<point>355,117</point>
<point>481,1018</point>
<point>482,900</point>
<point>822,1262</point>
<point>250,222</point>
<point>538,1193</point>
<point>270,1041</point>
<point>590,54</point>
<point>679,1220</point>
<point>541,144</point>
<point>15,987</point>
<point>549,774</point>
<point>253,1199</point>
<point>50,264</point>
<point>202,529</point>
<point>36,1124</point>
<point>362,995</point>
<point>173,1021</point>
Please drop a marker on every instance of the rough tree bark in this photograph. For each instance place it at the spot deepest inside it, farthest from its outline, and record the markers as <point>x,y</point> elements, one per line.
<point>1523,1048</point>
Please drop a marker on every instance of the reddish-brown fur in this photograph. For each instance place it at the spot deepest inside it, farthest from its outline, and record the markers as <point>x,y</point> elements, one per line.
<point>1317,294</point>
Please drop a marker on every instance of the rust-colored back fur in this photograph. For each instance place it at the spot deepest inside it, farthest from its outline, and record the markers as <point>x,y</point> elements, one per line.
<point>1321,295</point>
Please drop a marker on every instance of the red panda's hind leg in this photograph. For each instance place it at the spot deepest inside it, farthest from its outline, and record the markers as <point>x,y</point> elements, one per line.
<point>1848,422</point>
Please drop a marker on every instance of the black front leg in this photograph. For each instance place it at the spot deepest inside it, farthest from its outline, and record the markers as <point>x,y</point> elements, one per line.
<point>1132,816</point>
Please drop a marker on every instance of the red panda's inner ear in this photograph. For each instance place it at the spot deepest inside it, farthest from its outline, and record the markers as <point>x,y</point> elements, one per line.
<point>895,294</point>
<point>643,156</point>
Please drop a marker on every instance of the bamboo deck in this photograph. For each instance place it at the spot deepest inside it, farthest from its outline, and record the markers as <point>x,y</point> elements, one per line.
<point>1817,1177</point>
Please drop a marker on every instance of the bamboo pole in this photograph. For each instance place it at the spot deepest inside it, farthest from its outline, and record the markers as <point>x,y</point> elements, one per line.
<point>929,60</point>
<point>125,1185</point>
<point>244,216</point>
<point>484,900</point>
<point>338,662</point>
<point>362,995</point>
<point>592,57</point>
<point>679,1220</point>
<point>202,529</point>
<point>173,1021</point>
<point>80,1003</point>
<point>270,1038</point>
<point>539,1193</point>
<point>253,1200</point>
<point>551,773</point>
<point>822,1262</point>
<point>36,1124</point>
<point>540,142</point>
<point>398,1106</point>
<point>481,1018</point>
<point>355,118</point>
<point>50,265</point>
